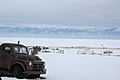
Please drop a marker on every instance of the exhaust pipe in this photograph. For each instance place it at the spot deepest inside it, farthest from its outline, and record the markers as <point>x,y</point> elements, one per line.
<point>18,42</point>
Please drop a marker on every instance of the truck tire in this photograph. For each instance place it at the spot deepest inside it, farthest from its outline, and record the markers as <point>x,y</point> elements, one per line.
<point>33,76</point>
<point>18,72</point>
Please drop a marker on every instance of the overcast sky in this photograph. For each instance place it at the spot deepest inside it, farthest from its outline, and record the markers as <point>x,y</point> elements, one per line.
<point>65,12</point>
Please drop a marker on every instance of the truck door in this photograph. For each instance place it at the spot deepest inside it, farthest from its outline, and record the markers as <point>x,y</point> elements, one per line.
<point>5,57</point>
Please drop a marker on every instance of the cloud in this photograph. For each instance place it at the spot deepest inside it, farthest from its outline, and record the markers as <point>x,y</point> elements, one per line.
<point>68,12</point>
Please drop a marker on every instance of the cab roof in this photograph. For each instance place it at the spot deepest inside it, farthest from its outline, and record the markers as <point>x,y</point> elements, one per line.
<point>12,44</point>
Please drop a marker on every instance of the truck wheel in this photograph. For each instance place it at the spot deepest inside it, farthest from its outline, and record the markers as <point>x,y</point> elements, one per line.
<point>33,76</point>
<point>18,72</point>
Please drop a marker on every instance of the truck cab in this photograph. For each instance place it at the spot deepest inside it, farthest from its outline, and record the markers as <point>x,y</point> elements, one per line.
<point>15,61</point>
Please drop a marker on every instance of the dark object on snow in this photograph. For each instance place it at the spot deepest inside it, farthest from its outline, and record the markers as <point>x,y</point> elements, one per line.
<point>15,61</point>
<point>42,77</point>
<point>35,50</point>
<point>108,52</point>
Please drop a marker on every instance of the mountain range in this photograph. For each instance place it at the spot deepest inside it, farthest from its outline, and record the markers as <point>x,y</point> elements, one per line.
<point>59,31</point>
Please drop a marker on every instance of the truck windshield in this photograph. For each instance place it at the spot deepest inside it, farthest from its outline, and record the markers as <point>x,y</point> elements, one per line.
<point>20,49</point>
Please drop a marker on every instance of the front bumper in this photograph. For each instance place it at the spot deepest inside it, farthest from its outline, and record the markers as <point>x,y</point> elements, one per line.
<point>36,72</point>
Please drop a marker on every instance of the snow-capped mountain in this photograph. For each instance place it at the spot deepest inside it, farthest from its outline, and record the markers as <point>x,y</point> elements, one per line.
<point>59,31</point>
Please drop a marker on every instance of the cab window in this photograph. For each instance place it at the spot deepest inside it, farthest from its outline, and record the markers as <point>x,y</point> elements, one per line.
<point>20,49</point>
<point>6,49</point>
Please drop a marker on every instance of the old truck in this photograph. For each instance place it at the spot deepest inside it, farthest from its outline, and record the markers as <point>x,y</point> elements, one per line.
<point>15,61</point>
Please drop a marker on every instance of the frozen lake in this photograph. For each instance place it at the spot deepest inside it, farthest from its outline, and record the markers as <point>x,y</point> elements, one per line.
<point>69,66</point>
<point>64,42</point>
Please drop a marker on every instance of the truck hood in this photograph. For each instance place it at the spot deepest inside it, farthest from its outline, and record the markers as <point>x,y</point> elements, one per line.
<point>28,57</point>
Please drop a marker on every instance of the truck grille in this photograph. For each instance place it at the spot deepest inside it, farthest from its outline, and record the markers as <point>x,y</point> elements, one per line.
<point>38,67</point>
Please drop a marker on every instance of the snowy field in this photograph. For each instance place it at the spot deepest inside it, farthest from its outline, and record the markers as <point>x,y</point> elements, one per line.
<point>72,66</point>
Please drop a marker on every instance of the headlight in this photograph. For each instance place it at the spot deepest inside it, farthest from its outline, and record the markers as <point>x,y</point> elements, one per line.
<point>30,63</point>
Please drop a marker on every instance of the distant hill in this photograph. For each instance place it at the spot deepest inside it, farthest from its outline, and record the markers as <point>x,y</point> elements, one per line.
<point>59,31</point>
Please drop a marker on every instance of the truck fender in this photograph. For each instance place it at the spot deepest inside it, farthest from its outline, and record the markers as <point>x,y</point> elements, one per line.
<point>17,63</point>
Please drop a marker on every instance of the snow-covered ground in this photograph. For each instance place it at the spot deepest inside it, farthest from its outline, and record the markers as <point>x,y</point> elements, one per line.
<point>72,66</point>
<point>64,42</point>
